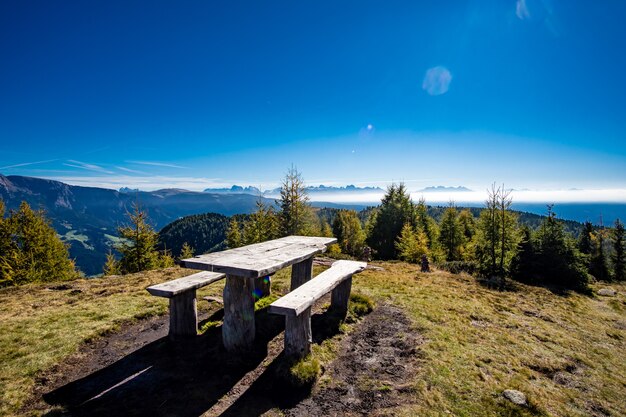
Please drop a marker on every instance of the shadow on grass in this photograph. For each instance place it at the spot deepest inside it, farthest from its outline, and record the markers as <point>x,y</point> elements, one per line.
<point>271,389</point>
<point>182,378</point>
<point>186,378</point>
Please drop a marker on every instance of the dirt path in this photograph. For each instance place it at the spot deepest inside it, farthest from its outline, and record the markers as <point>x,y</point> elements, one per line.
<point>137,371</point>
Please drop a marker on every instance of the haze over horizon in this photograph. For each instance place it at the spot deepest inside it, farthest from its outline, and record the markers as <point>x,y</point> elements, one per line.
<point>529,93</point>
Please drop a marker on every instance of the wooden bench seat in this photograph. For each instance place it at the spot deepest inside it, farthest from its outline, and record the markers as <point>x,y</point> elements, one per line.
<point>296,306</point>
<point>183,306</point>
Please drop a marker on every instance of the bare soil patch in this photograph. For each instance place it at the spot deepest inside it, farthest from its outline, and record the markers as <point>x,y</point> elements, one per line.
<point>137,371</point>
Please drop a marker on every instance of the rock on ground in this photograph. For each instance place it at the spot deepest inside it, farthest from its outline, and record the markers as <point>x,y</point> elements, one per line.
<point>516,397</point>
<point>607,292</point>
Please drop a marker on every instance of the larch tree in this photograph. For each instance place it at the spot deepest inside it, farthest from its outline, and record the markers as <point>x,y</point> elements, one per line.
<point>233,234</point>
<point>31,249</point>
<point>451,234</point>
<point>411,244</point>
<point>138,243</point>
<point>496,235</point>
<point>349,232</point>
<point>296,215</point>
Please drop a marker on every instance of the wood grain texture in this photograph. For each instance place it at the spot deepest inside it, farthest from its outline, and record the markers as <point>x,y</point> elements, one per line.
<point>177,286</point>
<point>261,259</point>
<point>238,328</point>
<point>298,335</point>
<point>304,296</point>
<point>340,296</point>
<point>301,273</point>
<point>183,315</point>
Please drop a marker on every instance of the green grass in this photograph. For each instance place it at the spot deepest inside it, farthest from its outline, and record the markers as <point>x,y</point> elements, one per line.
<point>482,341</point>
<point>479,341</point>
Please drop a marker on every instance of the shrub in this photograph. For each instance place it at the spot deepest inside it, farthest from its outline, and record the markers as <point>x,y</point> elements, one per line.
<point>456,267</point>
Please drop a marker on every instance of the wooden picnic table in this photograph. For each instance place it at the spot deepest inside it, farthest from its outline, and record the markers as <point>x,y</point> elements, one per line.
<point>248,270</point>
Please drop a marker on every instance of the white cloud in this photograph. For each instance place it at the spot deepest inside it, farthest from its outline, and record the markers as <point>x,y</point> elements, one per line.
<point>521,9</point>
<point>157,164</point>
<point>84,165</point>
<point>437,81</point>
<point>28,163</point>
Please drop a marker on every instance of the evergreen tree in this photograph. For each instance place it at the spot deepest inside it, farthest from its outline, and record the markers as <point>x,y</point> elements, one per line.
<point>468,229</point>
<point>138,244</point>
<point>111,266</point>
<point>496,236</point>
<point>395,211</point>
<point>326,230</point>
<point>558,260</point>
<point>619,260</point>
<point>523,265</point>
<point>262,225</point>
<point>411,244</point>
<point>296,215</point>
<point>186,252</point>
<point>349,232</point>
<point>598,262</point>
<point>426,223</point>
<point>31,249</point>
<point>233,234</point>
<point>450,234</point>
<point>585,243</point>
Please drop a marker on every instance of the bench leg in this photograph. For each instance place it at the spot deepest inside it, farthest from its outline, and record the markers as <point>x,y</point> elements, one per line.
<point>238,329</point>
<point>340,297</point>
<point>262,286</point>
<point>183,315</point>
<point>301,273</point>
<point>298,335</point>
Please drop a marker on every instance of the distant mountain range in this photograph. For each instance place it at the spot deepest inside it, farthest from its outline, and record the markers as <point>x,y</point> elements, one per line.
<point>88,217</point>
<point>237,189</point>
<point>441,188</point>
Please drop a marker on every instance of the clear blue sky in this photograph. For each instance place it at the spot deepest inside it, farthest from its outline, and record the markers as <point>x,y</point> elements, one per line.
<point>529,92</point>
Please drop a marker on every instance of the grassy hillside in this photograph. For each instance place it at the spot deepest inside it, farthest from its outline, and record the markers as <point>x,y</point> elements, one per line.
<point>566,353</point>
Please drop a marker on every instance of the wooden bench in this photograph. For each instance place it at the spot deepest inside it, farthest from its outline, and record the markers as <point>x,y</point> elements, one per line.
<point>182,295</point>
<point>296,306</point>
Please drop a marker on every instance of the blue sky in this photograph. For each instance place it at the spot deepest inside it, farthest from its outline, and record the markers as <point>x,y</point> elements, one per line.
<point>531,93</point>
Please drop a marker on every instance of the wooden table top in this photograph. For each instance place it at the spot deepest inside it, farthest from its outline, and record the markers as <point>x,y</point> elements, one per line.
<point>261,259</point>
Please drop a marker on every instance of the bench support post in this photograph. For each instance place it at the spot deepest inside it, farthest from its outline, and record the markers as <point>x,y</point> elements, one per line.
<point>298,335</point>
<point>340,296</point>
<point>301,273</point>
<point>183,315</point>
<point>238,329</point>
<point>262,286</point>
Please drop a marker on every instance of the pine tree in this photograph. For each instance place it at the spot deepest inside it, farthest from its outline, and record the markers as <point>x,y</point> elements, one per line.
<point>386,224</point>
<point>585,244</point>
<point>138,244</point>
<point>618,258</point>
<point>411,244</point>
<point>557,258</point>
<point>111,266</point>
<point>233,234</point>
<point>523,265</point>
<point>296,216</point>
<point>32,250</point>
<point>450,234</point>
<point>349,232</point>
<point>598,262</point>
<point>186,251</point>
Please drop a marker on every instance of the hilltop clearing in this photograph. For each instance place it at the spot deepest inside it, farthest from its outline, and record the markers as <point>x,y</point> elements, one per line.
<point>435,344</point>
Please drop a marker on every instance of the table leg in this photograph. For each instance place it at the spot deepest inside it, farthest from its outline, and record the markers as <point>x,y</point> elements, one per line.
<point>262,286</point>
<point>238,329</point>
<point>301,273</point>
